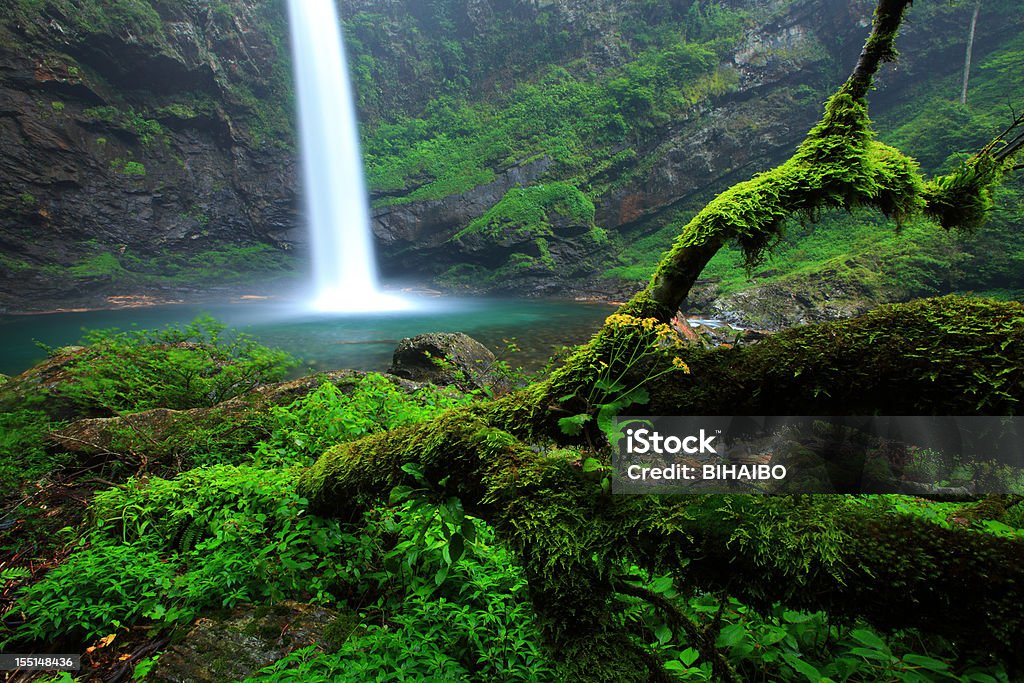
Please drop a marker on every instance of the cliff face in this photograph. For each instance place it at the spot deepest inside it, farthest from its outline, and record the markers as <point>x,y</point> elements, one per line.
<point>531,146</point>
<point>764,69</point>
<point>140,141</point>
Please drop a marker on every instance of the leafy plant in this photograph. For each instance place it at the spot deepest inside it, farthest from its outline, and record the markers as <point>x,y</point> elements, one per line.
<point>179,367</point>
<point>160,550</point>
<point>134,168</point>
<point>529,210</point>
<point>476,623</point>
<point>635,343</point>
<point>23,453</point>
<point>330,415</point>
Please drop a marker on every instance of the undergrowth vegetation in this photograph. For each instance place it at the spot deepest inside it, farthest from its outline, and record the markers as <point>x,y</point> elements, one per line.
<point>196,512</point>
<point>226,264</point>
<point>420,589</point>
<point>304,429</point>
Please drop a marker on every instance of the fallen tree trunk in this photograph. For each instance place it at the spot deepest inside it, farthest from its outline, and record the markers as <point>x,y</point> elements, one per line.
<point>813,552</point>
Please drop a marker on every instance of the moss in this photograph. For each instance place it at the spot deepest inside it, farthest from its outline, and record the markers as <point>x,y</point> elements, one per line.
<point>948,355</point>
<point>100,265</point>
<point>129,120</point>
<point>226,264</point>
<point>114,17</point>
<point>134,168</point>
<point>532,211</point>
<point>577,543</point>
<point>963,198</point>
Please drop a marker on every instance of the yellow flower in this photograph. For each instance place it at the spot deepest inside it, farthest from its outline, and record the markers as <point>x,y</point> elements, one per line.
<point>681,364</point>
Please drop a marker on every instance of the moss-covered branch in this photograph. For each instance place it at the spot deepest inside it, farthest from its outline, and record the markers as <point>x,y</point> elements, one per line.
<point>839,164</point>
<point>949,356</point>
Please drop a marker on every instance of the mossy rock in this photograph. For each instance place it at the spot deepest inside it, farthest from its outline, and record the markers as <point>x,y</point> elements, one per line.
<point>447,358</point>
<point>234,645</point>
<point>39,385</point>
<point>165,435</point>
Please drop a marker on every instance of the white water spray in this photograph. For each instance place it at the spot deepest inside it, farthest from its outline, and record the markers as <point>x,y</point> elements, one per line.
<point>344,263</point>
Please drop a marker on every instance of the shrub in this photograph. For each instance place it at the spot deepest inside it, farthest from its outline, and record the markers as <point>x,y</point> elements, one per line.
<point>133,168</point>
<point>23,454</point>
<point>161,550</point>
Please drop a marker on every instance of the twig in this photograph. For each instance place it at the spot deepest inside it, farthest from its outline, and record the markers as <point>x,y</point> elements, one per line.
<point>120,673</point>
<point>702,640</point>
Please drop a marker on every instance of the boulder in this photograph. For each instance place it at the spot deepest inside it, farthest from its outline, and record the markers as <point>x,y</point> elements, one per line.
<point>448,358</point>
<point>44,379</point>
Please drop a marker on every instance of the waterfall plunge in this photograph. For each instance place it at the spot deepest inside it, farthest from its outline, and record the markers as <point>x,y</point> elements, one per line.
<point>344,263</point>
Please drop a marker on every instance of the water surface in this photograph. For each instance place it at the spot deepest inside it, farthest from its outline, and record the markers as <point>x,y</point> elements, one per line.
<point>327,341</point>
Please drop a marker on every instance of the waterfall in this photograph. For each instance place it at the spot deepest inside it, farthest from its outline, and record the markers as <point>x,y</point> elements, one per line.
<point>337,206</point>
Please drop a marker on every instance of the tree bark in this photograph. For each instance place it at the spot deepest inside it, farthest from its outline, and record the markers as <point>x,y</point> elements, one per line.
<point>970,50</point>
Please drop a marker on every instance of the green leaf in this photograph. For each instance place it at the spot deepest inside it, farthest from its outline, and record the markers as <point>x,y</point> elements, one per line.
<point>689,656</point>
<point>869,639</point>
<point>468,530</point>
<point>441,575</point>
<point>772,635</point>
<point>731,635</point>
<point>868,653</point>
<point>415,470</point>
<point>802,667</point>
<point>608,386</point>
<point>638,395</point>
<point>606,420</point>
<point>925,662</point>
<point>573,425</point>
<point>661,585</point>
<point>663,633</point>
<point>453,551</point>
<point>400,493</point>
<point>592,465</point>
<point>455,515</point>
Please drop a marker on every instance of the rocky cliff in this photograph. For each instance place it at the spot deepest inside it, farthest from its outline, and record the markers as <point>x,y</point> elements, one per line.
<point>142,144</point>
